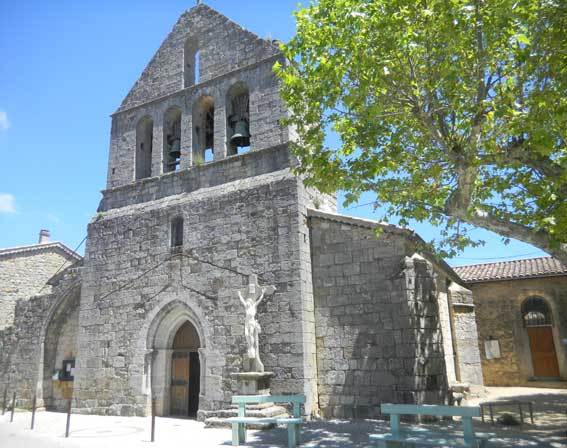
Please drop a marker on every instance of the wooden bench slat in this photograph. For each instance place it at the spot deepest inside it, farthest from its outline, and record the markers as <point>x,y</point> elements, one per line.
<point>430,409</point>
<point>287,421</point>
<point>251,420</point>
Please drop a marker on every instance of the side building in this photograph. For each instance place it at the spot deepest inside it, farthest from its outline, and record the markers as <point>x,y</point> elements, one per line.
<point>29,276</point>
<point>521,312</point>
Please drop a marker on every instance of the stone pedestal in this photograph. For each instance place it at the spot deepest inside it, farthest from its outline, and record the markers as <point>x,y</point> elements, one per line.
<point>253,383</point>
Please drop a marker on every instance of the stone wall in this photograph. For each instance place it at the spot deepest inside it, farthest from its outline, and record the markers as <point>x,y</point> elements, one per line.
<point>132,278</point>
<point>376,317</point>
<point>24,274</point>
<point>229,55</point>
<point>224,47</point>
<point>465,335</point>
<point>498,315</point>
<point>22,359</point>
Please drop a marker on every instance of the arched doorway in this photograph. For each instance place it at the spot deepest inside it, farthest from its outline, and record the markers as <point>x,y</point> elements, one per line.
<point>538,322</point>
<point>177,362</point>
<point>185,372</point>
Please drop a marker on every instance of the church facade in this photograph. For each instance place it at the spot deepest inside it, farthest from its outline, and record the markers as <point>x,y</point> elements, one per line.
<point>201,195</point>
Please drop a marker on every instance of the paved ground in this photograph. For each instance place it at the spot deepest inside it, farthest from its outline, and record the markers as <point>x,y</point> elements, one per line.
<point>130,432</point>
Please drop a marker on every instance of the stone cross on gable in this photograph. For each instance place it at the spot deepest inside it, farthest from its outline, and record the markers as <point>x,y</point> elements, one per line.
<point>250,297</point>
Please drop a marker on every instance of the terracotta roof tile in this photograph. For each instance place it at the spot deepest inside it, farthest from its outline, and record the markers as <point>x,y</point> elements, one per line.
<point>511,270</point>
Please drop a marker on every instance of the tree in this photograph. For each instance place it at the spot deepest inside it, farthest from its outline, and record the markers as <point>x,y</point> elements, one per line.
<point>450,111</point>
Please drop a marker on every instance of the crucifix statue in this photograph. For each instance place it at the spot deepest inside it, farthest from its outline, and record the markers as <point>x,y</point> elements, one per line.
<point>250,297</point>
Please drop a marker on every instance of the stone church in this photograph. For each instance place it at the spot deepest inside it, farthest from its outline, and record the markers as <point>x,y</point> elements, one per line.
<point>200,195</point>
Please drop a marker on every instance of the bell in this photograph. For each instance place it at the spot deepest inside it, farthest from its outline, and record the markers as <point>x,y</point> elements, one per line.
<point>175,149</point>
<point>241,136</point>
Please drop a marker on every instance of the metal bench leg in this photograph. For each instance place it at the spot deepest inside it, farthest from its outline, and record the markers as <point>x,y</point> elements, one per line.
<point>235,441</point>
<point>291,439</point>
<point>297,434</point>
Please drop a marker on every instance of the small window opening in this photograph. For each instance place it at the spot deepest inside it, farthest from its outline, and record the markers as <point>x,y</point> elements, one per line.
<point>203,131</point>
<point>67,373</point>
<point>192,61</point>
<point>177,232</point>
<point>197,65</point>
<point>238,119</point>
<point>172,140</point>
<point>535,312</point>
<point>144,141</point>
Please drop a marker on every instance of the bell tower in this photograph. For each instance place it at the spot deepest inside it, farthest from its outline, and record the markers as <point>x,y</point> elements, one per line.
<point>200,195</point>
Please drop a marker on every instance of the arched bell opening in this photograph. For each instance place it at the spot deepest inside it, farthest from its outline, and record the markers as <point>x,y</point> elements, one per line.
<point>203,130</point>
<point>538,322</point>
<point>238,119</point>
<point>172,139</point>
<point>144,142</point>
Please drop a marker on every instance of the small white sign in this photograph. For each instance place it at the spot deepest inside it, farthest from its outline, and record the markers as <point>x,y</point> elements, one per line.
<point>492,348</point>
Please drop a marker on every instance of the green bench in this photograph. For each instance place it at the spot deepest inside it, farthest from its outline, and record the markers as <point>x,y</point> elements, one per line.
<point>424,437</point>
<point>293,423</point>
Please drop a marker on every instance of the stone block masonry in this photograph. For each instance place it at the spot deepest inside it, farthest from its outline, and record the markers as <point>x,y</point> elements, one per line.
<point>249,226</point>
<point>377,322</point>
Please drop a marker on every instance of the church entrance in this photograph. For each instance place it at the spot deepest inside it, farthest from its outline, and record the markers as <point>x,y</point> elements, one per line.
<point>539,325</point>
<point>185,372</point>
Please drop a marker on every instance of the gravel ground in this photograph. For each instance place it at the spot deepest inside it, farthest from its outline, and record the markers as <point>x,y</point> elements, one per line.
<point>126,432</point>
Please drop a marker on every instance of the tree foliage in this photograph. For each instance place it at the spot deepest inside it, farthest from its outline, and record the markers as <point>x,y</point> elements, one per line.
<point>449,111</point>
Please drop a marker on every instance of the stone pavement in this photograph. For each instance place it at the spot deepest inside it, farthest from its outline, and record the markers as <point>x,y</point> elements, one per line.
<point>134,432</point>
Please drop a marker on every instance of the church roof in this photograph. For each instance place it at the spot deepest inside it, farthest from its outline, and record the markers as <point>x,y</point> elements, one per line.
<point>511,270</point>
<point>37,248</point>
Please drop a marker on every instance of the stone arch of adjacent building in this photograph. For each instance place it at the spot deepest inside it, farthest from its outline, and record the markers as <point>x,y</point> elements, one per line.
<point>59,347</point>
<point>176,360</point>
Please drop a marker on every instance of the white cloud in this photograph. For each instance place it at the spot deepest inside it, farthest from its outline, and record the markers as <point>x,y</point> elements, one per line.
<point>54,218</point>
<point>4,122</point>
<point>7,203</point>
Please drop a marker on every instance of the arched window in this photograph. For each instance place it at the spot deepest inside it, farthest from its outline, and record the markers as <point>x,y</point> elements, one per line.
<point>144,138</point>
<point>203,130</point>
<point>191,58</point>
<point>172,139</point>
<point>535,312</point>
<point>238,119</point>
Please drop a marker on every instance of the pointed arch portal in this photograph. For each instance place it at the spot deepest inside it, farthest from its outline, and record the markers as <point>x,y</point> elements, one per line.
<point>175,338</point>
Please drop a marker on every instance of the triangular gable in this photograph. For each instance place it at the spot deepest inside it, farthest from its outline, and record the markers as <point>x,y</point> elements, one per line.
<point>224,46</point>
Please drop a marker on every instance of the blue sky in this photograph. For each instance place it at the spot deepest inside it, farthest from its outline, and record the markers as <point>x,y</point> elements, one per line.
<point>66,65</point>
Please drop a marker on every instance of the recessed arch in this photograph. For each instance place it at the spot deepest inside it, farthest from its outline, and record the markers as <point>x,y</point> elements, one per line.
<point>175,338</point>
<point>59,344</point>
<point>203,130</point>
<point>536,312</point>
<point>172,139</point>
<point>144,144</point>
<point>238,118</point>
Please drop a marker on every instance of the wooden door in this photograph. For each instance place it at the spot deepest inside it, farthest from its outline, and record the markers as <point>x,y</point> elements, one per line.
<point>543,352</point>
<point>194,384</point>
<point>179,389</point>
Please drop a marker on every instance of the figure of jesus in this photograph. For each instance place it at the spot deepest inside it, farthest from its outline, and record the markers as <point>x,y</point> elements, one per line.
<point>251,298</point>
